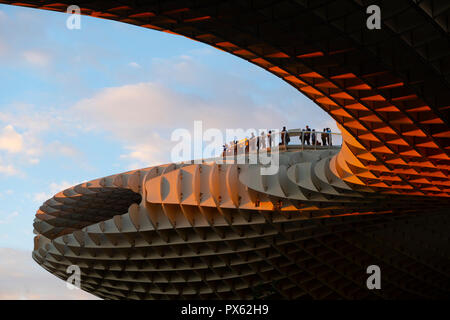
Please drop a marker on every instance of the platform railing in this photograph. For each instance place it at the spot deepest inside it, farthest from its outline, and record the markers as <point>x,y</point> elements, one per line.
<point>333,140</point>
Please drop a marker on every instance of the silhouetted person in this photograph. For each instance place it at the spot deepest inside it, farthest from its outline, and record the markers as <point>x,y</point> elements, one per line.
<point>253,142</point>
<point>329,137</point>
<point>323,135</point>
<point>285,137</point>
<point>269,139</point>
<point>262,141</point>
<point>314,138</point>
<point>308,135</point>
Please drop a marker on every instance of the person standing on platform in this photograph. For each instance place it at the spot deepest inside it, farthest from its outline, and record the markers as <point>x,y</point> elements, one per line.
<point>269,139</point>
<point>330,143</point>
<point>253,142</point>
<point>308,135</point>
<point>262,141</point>
<point>224,153</point>
<point>284,137</point>
<point>323,135</point>
<point>246,145</point>
<point>314,138</point>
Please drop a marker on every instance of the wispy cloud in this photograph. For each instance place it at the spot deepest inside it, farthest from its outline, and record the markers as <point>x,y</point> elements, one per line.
<point>5,219</point>
<point>8,169</point>
<point>52,189</point>
<point>22,278</point>
<point>24,132</point>
<point>10,140</point>
<point>134,64</point>
<point>36,58</point>
<point>143,115</point>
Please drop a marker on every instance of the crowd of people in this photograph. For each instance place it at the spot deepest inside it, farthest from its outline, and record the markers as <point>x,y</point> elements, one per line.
<point>267,141</point>
<point>310,137</point>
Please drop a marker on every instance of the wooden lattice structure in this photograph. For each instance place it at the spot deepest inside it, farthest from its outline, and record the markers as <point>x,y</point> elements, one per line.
<point>210,231</point>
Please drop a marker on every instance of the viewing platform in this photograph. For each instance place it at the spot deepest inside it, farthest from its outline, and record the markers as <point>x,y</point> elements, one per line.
<point>299,139</point>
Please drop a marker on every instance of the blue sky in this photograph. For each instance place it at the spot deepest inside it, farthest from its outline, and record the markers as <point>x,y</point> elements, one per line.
<point>81,104</point>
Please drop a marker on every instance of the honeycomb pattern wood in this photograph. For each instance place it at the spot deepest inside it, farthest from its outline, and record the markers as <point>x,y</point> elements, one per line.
<point>224,231</point>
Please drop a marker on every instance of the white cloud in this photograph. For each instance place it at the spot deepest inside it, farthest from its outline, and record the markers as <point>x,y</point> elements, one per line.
<point>134,111</point>
<point>36,58</point>
<point>155,152</point>
<point>6,193</point>
<point>10,140</point>
<point>52,189</point>
<point>134,64</point>
<point>16,148</point>
<point>22,278</point>
<point>62,149</point>
<point>41,197</point>
<point>186,90</point>
<point>7,218</point>
<point>143,115</point>
<point>8,169</point>
<point>27,118</point>
<point>23,141</point>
